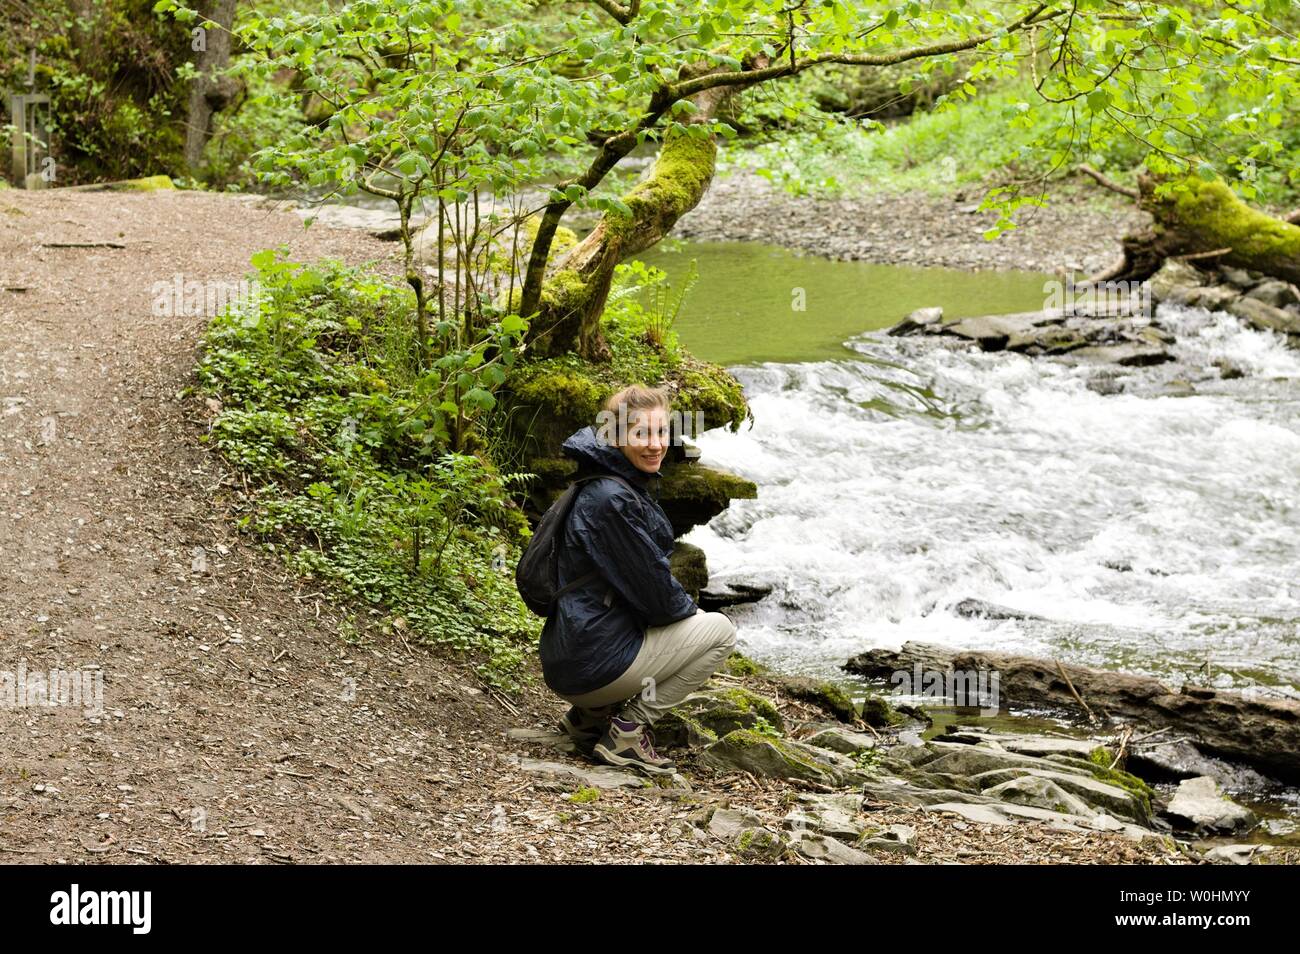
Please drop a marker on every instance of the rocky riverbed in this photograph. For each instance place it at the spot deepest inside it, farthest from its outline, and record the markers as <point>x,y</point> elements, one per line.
<point>808,775</point>
<point>1078,230</point>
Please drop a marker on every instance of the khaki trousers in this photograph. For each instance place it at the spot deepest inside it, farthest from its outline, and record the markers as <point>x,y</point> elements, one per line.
<point>674,661</point>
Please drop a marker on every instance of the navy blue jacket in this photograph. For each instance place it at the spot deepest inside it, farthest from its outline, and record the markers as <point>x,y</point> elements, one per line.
<point>597,628</point>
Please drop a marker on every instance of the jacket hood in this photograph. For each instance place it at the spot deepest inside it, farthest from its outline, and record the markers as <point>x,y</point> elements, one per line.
<point>585,446</point>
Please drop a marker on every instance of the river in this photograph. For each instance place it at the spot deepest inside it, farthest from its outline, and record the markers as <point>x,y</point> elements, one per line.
<point>1155,530</point>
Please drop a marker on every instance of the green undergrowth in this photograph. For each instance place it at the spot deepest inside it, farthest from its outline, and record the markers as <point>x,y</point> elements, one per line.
<point>325,411</point>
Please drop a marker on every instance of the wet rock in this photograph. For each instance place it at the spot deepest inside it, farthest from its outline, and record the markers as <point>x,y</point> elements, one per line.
<point>1276,293</point>
<point>1264,317</point>
<point>981,608</point>
<point>916,322</point>
<point>1105,383</point>
<point>719,596</point>
<point>1198,805</point>
<point>1229,370</point>
<point>1212,298</point>
<point>1128,354</point>
<point>1174,281</point>
<point>1060,792</point>
<point>690,567</point>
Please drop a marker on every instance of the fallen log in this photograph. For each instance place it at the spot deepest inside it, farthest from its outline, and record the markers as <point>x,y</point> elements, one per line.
<point>1262,732</point>
<point>1206,220</point>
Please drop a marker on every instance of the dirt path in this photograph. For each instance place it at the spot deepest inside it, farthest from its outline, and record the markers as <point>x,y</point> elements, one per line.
<point>228,731</point>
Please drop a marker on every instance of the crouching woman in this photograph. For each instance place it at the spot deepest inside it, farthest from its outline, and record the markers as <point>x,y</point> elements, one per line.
<point>629,644</point>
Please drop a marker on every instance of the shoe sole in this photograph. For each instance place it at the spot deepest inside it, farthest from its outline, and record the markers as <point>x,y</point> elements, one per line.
<point>609,758</point>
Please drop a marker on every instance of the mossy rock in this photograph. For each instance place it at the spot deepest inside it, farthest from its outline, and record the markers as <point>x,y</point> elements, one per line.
<point>692,494</point>
<point>766,756</point>
<point>1099,760</point>
<point>879,714</point>
<point>826,696</point>
<point>738,664</point>
<point>702,717</point>
<point>759,844</point>
<point>146,184</point>
<point>690,568</point>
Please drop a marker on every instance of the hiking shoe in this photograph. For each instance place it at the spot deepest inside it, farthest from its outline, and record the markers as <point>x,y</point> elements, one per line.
<point>585,726</point>
<point>630,744</point>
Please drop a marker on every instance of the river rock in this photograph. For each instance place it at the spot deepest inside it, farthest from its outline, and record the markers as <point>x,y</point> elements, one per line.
<point>1279,294</point>
<point>1035,745</point>
<point>1198,805</point>
<point>1105,382</point>
<point>718,596</point>
<point>996,332</point>
<point>689,567</point>
<point>1212,297</point>
<point>1175,281</point>
<point>981,608</point>
<point>917,321</point>
<point>1263,732</point>
<point>1264,317</point>
<point>1229,370</point>
<point>1129,354</point>
<point>1178,759</point>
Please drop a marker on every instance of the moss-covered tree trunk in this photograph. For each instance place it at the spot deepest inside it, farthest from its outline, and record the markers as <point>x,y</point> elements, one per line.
<point>574,295</point>
<point>1208,218</point>
<point>569,300</point>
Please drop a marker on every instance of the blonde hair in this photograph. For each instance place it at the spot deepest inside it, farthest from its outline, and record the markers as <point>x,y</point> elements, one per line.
<point>637,397</point>
<point>621,405</point>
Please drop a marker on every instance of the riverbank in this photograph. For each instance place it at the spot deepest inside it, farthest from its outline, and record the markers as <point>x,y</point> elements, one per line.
<point>1079,229</point>
<point>247,715</point>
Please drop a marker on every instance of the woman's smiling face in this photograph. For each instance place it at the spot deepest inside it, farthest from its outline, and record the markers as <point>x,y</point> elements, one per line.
<point>647,439</point>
